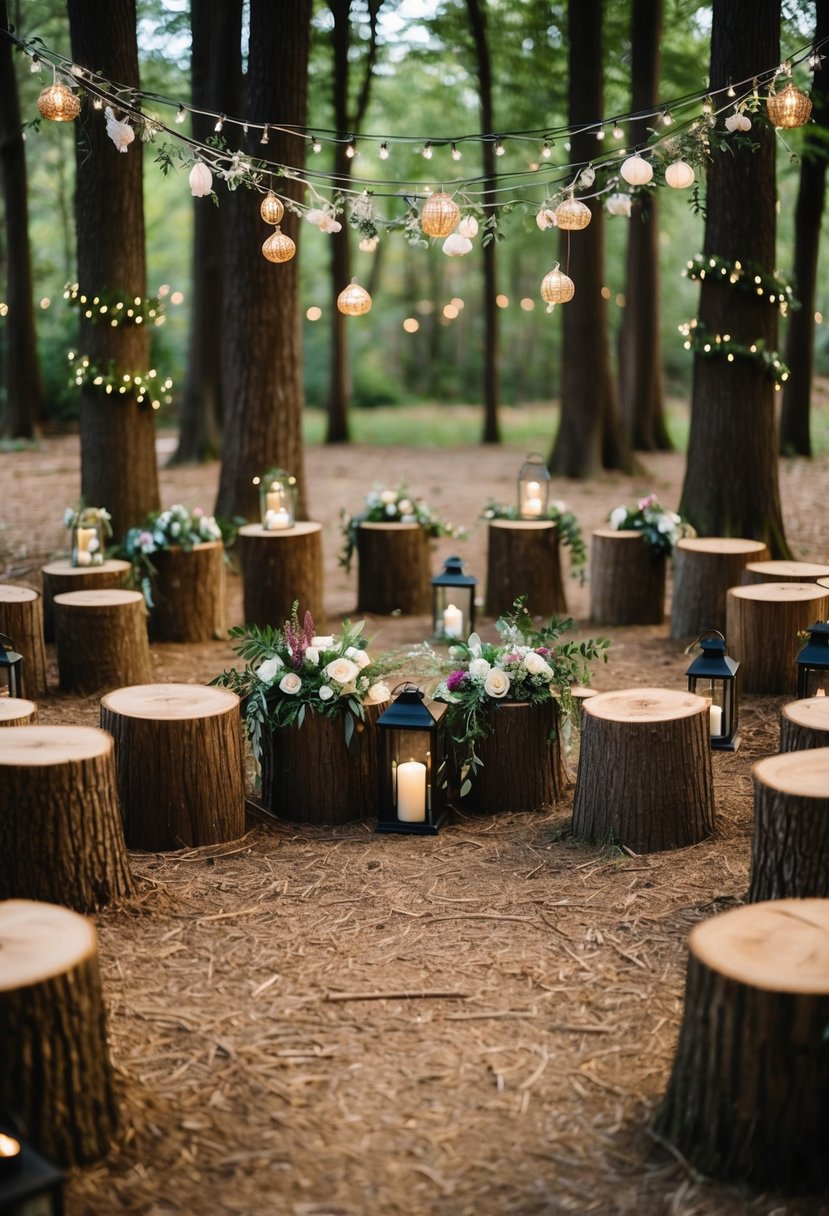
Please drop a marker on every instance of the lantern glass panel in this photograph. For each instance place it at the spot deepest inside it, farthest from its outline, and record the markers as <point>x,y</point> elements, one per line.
<point>88,540</point>
<point>277,500</point>
<point>813,663</point>
<point>412,767</point>
<point>453,601</point>
<point>533,488</point>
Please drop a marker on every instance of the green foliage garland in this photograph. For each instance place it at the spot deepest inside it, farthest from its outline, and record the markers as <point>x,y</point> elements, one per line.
<point>147,386</point>
<point>749,278</point>
<point>114,309</point>
<point>711,346</point>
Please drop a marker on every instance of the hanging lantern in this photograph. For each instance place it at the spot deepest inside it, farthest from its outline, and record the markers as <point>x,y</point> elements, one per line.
<point>455,245</point>
<point>277,500</point>
<point>271,209</point>
<point>618,204</point>
<point>636,171</point>
<point>573,215</point>
<point>813,662</point>
<point>557,288</point>
<point>58,103</point>
<point>411,746</point>
<point>439,215</point>
<point>200,179</point>
<point>354,300</point>
<point>790,108</point>
<point>11,669</point>
<point>679,175</point>
<point>713,675</point>
<point>29,1183</point>
<point>453,601</point>
<point>533,488</point>
<point>278,247</point>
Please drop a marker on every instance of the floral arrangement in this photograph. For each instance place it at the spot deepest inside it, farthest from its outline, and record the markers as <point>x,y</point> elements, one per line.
<point>89,527</point>
<point>660,529</point>
<point>394,506</point>
<point>569,529</point>
<point>293,670</point>
<point>164,530</point>
<point>527,665</point>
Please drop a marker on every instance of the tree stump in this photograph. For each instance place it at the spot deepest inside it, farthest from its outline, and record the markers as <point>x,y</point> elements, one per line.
<point>278,568</point>
<point>393,569</point>
<point>101,640</point>
<point>762,622</point>
<point>704,568</point>
<point>180,764</point>
<point>189,594</point>
<point>17,711</point>
<point>60,824</point>
<point>748,1098</point>
<point>804,724</point>
<point>627,579</point>
<point>644,778</point>
<point>783,572</point>
<point>61,576</point>
<point>57,1076</point>
<point>522,763</point>
<point>524,558</point>
<point>790,842</point>
<point>310,776</point>
<point>21,619</point>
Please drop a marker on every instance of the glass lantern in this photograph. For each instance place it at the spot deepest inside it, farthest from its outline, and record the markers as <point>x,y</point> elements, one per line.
<point>533,488</point>
<point>11,670</point>
<point>277,500</point>
<point>713,675</point>
<point>29,1184</point>
<point>453,601</point>
<point>88,539</point>
<point>411,759</point>
<point>813,662</point>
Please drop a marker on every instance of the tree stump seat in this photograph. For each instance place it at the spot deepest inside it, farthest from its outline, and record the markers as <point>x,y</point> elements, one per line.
<point>101,640</point>
<point>524,558</point>
<point>279,567</point>
<point>805,724</point>
<point>523,769</point>
<point>627,579</point>
<point>748,1097</point>
<point>189,594</point>
<point>393,569</point>
<point>783,572</point>
<point>17,711</point>
<point>644,776</point>
<point>790,841</point>
<point>21,619</point>
<point>179,759</point>
<point>704,568</point>
<point>61,576</point>
<point>762,624</point>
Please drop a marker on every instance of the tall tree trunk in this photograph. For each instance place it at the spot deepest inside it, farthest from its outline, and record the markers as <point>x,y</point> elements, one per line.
<point>795,433</point>
<point>590,434</point>
<point>118,461</point>
<point>640,353</point>
<point>24,393</point>
<point>262,340</point>
<point>216,84</point>
<point>731,483</point>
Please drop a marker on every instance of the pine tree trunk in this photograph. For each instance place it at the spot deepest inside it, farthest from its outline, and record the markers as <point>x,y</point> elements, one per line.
<point>627,579</point>
<point>393,569</point>
<point>790,842</point>
<point>101,640</point>
<point>704,568</point>
<point>61,576</point>
<point>279,568</point>
<point>762,623</point>
<point>21,619</point>
<point>17,711</point>
<point>524,558</point>
<point>521,757</point>
<point>189,594</point>
<point>805,724</point>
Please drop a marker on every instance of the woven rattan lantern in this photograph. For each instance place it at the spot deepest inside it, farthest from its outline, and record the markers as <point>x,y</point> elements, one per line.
<point>271,209</point>
<point>354,300</point>
<point>557,288</point>
<point>58,103</point>
<point>790,108</point>
<point>573,215</point>
<point>278,247</point>
<point>439,215</point>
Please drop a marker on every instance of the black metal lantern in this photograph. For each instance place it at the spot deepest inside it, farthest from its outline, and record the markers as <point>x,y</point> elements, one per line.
<point>453,601</point>
<point>533,488</point>
<point>412,769</point>
<point>29,1184</point>
<point>813,662</point>
<point>11,669</point>
<point>713,675</point>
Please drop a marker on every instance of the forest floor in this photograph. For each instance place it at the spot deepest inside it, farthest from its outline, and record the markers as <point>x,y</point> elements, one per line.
<point>247,1089</point>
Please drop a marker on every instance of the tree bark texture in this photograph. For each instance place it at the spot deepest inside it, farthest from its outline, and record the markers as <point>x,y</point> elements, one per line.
<point>790,841</point>
<point>101,640</point>
<point>804,724</point>
<point>17,711</point>
<point>21,619</point>
<point>783,572</point>
<point>762,623</point>
<point>704,568</point>
<point>524,558</point>
<point>279,568</point>
<point>393,569</point>
<point>180,764</point>
<point>61,576</point>
<point>57,1074</point>
<point>189,594</point>
<point>522,763</point>
<point>60,828</point>
<point>310,776</point>
<point>627,579</point>
<point>748,1098</point>
<point>644,779</point>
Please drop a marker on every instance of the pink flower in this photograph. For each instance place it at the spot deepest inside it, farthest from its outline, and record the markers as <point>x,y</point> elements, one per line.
<point>644,503</point>
<point>455,679</point>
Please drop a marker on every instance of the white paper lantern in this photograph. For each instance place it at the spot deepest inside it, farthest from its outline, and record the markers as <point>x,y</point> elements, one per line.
<point>456,245</point>
<point>546,218</point>
<point>679,175</point>
<point>201,180</point>
<point>738,122</point>
<point>618,204</point>
<point>468,226</point>
<point>636,171</point>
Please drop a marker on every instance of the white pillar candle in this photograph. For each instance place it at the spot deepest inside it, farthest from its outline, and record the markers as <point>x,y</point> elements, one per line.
<point>84,538</point>
<point>715,720</point>
<point>821,692</point>
<point>411,792</point>
<point>274,500</point>
<point>275,519</point>
<point>452,621</point>
<point>532,506</point>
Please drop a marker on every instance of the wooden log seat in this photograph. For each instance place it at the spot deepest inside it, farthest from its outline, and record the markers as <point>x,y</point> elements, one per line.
<point>189,594</point>
<point>627,579</point>
<point>704,568</point>
<point>101,640</point>
<point>748,1097</point>
<point>61,576</point>
<point>56,1073</point>
<point>393,569</point>
<point>644,777</point>
<point>21,619</point>
<point>60,824</point>
<point>804,724</point>
<point>522,761</point>
<point>524,558</point>
<point>17,711</point>
<point>279,567</point>
<point>180,764</point>
<point>762,622</point>
<point>783,572</point>
<point>790,841</point>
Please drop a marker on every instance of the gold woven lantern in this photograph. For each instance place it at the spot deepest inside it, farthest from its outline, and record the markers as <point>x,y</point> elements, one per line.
<point>439,215</point>
<point>354,300</point>
<point>278,247</point>
<point>557,288</point>
<point>271,209</point>
<point>790,108</point>
<point>573,215</point>
<point>58,103</point>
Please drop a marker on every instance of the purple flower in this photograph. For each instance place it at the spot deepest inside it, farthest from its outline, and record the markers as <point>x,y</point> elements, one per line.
<point>543,650</point>
<point>456,678</point>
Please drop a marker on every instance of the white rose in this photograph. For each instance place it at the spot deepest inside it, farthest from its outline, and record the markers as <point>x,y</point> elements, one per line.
<point>618,516</point>
<point>388,496</point>
<point>326,693</point>
<point>290,683</point>
<point>312,655</point>
<point>377,693</point>
<point>266,671</point>
<point>322,642</point>
<point>358,656</point>
<point>405,506</point>
<point>535,664</point>
<point>497,683</point>
<point>342,670</point>
<point>479,667</point>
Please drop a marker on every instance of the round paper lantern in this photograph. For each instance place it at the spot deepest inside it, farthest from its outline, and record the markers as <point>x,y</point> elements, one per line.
<point>618,204</point>
<point>201,180</point>
<point>573,215</point>
<point>636,171</point>
<point>557,288</point>
<point>439,215</point>
<point>354,300</point>
<point>468,226</point>
<point>271,209</point>
<point>791,108</point>
<point>680,175</point>
<point>457,245</point>
<point>278,247</point>
<point>58,103</point>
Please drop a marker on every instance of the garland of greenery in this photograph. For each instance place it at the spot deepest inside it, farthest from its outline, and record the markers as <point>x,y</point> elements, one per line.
<point>114,308</point>
<point>749,277</point>
<point>142,384</point>
<point>569,531</point>
<point>700,339</point>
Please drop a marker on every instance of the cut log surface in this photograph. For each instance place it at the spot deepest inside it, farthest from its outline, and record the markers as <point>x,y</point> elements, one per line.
<point>704,568</point>
<point>524,558</point>
<point>189,594</point>
<point>627,579</point>
<point>393,569</point>
<point>61,576</point>
<point>60,825</point>
<point>748,1098</point>
<point>804,724</point>
<point>17,711</point>
<point>644,777</point>
<point>58,1077</point>
<point>180,764</point>
<point>762,625</point>
<point>279,567</point>
<point>21,619</point>
<point>101,640</point>
<point>522,763</point>
<point>783,572</point>
<point>790,842</point>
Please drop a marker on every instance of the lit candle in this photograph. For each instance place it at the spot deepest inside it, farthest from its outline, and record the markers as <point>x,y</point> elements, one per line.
<point>273,500</point>
<point>9,1151</point>
<point>411,792</point>
<point>532,506</point>
<point>84,538</point>
<point>715,720</point>
<point>275,519</point>
<point>452,621</point>
<point>821,692</point>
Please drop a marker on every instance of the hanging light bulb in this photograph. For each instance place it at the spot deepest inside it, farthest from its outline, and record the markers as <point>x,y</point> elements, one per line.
<point>618,133</point>
<point>220,122</point>
<point>427,150</point>
<point>499,147</point>
<point>181,114</point>
<point>98,103</point>
<point>730,92</point>
<point>547,150</point>
<point>600,133</point>
<point>384,151</point>
<point>34,66</point>
<point>456,152</point>
<point>351,149</point>
<point>666,118</point>
<point>316,146</point>
<point>265,139</point>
